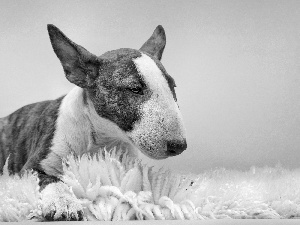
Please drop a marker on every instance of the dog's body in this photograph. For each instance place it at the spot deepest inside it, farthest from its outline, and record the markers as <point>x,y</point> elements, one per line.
<point>39,135</point>
<point>124,98</point>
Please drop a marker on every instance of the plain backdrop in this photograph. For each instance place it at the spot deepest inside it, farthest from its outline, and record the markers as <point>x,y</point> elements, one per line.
<point>236,66</point>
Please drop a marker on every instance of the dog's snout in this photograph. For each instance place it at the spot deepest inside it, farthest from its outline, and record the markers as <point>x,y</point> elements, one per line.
<point>176,147</point>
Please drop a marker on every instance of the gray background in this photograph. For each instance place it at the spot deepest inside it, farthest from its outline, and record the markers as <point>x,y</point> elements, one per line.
<point>236,65</point>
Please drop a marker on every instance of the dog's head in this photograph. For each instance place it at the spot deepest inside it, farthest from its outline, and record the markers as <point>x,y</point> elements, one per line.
<point>131,88</point>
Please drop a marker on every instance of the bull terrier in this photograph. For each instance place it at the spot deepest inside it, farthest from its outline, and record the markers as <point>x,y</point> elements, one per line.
<point>123,98</point>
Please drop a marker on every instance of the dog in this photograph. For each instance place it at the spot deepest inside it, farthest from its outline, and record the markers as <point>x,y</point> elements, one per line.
<point>124,98</point>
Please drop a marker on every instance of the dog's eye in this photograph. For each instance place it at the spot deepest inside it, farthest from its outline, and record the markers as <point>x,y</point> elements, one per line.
<point>136,90</point>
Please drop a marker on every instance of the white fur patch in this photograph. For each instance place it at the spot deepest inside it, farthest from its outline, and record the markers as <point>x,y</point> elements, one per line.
<point>161,119</point>
<point>74,126</point>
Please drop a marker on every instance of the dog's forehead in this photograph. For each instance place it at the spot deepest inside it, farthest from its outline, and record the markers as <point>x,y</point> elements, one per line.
<point>149,70</point>
<point>154,72</point>
<point>120,55</point>
<point>118,64</point>
<point>134,62</point>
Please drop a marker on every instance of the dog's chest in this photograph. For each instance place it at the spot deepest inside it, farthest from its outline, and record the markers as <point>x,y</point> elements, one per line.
<point>79,129</point>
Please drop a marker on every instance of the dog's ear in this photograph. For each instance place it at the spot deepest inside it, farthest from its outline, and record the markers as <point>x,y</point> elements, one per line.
<point>80,66</point>
<point>155,45</point>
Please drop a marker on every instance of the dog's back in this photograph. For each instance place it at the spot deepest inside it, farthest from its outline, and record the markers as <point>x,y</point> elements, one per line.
<point>27,130</point>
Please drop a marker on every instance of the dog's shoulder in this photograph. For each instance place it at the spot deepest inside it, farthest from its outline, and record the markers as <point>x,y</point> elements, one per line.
<point>40,113</point>
<point>29,128</point>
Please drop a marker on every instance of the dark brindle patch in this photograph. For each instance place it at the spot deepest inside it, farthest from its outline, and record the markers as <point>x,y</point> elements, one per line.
<point>28,135</point>
<point>112,97</point>
<point>4,151</point>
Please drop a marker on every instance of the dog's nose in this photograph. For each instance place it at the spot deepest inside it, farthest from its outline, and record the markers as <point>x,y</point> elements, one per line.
<point>176,147</point>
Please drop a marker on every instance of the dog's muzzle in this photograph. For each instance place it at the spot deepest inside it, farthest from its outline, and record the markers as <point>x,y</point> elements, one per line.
<point>175,148</point>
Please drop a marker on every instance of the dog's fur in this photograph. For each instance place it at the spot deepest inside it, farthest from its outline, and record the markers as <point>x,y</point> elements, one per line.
<point>123,98</point>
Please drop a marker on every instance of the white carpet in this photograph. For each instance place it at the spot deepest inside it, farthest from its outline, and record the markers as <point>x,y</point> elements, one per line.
<point>110,188</point>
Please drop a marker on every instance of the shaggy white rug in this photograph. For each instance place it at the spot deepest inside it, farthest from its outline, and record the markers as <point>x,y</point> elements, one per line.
<point>113,187</point>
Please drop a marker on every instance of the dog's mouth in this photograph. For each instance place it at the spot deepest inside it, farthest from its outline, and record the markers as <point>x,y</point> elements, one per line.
<point>162,150</point>
<point>169,151</point>
<point>163,154</point>
<point>159,157</point>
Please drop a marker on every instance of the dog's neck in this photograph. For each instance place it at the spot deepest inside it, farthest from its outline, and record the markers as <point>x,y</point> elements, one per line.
<point>79,129</point>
